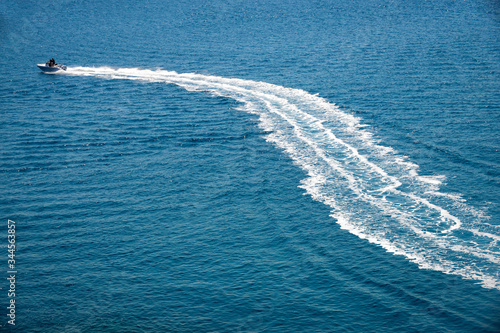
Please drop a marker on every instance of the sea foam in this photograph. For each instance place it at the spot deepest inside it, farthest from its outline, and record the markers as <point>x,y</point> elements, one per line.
<point>374,192</point>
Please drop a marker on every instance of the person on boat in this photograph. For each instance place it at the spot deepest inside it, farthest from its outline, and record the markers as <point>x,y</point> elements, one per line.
<point>51,62</point>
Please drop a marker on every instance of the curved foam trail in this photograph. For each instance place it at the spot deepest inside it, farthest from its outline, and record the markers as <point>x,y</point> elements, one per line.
<point>374,192</point>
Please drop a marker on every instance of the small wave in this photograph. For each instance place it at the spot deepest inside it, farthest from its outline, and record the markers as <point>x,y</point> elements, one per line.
<point>374,192</point>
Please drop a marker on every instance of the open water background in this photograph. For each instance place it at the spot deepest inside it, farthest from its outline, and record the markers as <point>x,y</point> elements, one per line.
<point>263,166</point>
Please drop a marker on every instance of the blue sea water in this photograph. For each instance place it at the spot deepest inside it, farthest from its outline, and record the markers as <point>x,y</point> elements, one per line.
<point>251,166</point>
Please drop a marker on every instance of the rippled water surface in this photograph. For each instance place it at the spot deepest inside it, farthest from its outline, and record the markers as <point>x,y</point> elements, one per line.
<point>277,166</point>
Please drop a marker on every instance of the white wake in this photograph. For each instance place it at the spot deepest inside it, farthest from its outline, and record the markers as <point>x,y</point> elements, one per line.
<point>374,192</point>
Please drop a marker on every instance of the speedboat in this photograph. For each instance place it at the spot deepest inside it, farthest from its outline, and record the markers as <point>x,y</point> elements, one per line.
<point>51,67</point>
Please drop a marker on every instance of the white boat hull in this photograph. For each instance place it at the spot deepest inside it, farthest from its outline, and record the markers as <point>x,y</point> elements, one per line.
<point>51,69</point>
